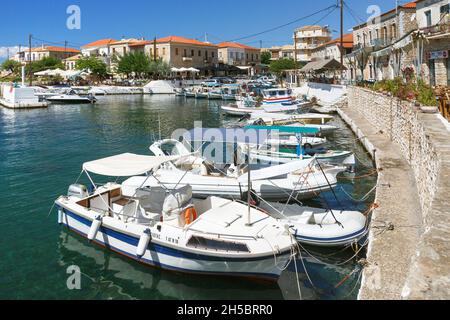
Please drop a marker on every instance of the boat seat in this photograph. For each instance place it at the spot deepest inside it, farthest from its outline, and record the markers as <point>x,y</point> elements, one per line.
<point>175,204</point>
<point>307,218</point>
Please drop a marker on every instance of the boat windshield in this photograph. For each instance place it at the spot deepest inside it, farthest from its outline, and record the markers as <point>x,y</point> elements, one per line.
<point>216,245</point>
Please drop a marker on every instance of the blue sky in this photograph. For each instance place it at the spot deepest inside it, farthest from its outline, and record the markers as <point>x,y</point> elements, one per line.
<point>222,20</point>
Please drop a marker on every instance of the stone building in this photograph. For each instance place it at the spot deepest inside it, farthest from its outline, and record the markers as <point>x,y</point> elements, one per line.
<point>40,53</point>
<point>382,46</point>
<point>238,54</point>
<point>280,52</point>
<point>180,52</point>
<point>332,50</point>
<point>434,25</point>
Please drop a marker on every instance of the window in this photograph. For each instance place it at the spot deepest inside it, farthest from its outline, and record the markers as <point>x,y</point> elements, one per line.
<point>206,54</point>
<point>212,54</point>
<point>192,53</point>
<point>394,31</point>
<point>428,17</point>
<point>216,245</point>
<point>444,10</point>
<point>199,53</point>
<point>164,51</point>
<point>176,51</point>
<point>185,53</point>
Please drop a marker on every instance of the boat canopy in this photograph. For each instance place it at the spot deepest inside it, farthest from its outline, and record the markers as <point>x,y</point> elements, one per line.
<point>276,171</point>
<point>126,165</point>
<point>302,130</point>
<point>228,135</point>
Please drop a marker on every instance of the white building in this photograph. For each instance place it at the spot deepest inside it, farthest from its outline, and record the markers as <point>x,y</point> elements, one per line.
<point>308,38</point>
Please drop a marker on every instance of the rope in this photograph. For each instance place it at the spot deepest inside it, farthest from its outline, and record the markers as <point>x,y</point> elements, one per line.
<point>363,199</point>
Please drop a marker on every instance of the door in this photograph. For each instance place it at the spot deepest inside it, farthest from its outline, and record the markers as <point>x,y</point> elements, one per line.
<point>432,67</point>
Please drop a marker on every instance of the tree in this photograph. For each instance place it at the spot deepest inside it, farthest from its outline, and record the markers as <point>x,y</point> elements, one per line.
<point>279,67</point>
<point>159,68</point>
<point>265,57</point>
<point>96,66</point>
<point>136,64</point>
<point>45,64</point>
<point>11,66</point>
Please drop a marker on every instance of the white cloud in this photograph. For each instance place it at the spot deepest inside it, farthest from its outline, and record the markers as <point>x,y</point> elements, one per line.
<point>12,51</point>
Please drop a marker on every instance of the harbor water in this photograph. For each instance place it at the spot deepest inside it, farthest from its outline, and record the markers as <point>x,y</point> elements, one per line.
<point>41,153</point>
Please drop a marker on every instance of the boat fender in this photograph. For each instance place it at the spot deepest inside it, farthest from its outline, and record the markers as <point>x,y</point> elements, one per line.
<point>60,215</point>
<point>95,226</point>
<point>145,239</point>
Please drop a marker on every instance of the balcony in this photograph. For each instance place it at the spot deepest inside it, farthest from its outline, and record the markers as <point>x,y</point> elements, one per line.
<point>436,30</point>
<point>375,44</point>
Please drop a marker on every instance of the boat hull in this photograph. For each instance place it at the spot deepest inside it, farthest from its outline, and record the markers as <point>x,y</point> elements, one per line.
<point>172,259</point>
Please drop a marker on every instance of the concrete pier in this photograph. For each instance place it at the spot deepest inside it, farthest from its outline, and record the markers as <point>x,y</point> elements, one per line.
<point>409,250</point>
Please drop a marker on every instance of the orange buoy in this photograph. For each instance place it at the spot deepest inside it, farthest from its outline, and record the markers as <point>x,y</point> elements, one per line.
<point>190,215</point>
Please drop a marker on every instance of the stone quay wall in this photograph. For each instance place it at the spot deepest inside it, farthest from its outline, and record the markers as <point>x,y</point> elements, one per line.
<point>424,142</point>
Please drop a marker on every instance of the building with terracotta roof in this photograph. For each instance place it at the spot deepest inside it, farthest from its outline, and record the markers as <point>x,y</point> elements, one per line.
<point>71,63</point>
<point>374,57</point>
<point>308,38</point>
<point>99,48</point>
<point>237,54</point>
<point>332,49</point>
<point>40,53</point>
<point>280,52</point>
<point>180,52</point>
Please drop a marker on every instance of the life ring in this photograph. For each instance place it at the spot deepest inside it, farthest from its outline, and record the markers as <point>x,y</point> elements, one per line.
<point>190,215</point>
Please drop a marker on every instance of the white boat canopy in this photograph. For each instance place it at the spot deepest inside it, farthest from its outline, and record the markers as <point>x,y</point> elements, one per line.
<point>276,171</point>
<point>126,165</point>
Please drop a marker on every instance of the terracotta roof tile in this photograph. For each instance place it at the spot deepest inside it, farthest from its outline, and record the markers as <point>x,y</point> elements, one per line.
<point>99,43</point>
<point>182,40</point>
<point>55,49</point>
<point>236,45</point>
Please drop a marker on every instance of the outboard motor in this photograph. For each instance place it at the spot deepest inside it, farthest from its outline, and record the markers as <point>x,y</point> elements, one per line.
<point>78,191</point>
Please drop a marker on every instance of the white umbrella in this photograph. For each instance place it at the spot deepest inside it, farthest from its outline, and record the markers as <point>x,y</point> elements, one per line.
<point>58,72</point>
<point>43,73</point>
<point>175,70</point>
<point>193,70</point>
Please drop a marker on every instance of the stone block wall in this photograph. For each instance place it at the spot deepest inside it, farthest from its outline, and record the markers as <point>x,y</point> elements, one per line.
<point>399,120</point>
<point>424,141</point>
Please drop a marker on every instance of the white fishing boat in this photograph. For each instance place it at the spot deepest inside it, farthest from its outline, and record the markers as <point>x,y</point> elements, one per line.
<point>169,229</point>
<point>189,94</point>
<point>320,227</point>
<point>202,93</point>
<point>230,92</point>
<point>241,107</point>
<point>71,98</point>
<point>279,100</point>
<point>335,157</point>
<point>215,95</point>
<point>299,179</point>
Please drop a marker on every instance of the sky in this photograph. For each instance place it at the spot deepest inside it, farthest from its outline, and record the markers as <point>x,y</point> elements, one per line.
<point>221,21</point>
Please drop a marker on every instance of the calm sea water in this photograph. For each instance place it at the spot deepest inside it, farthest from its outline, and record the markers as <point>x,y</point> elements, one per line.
<point>41,153</point>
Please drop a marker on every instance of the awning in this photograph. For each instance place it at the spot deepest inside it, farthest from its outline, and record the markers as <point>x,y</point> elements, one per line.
<point>403,42</point>
<point>126,165</point>
<point>382,52</point>
<point>321,65</point>
<point>276,171</point>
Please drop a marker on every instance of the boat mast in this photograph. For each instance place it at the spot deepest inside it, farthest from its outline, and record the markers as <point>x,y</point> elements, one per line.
<point>249,196</point>
<point>342,41</point>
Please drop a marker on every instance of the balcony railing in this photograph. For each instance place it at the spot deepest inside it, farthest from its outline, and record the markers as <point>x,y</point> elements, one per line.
<point>437,29</point>
<point>375,44</point>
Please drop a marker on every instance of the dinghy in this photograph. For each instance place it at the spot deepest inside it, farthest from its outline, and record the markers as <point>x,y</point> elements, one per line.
<point>320,227</point>
<point>168,229</point>
<point>300,179</point>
